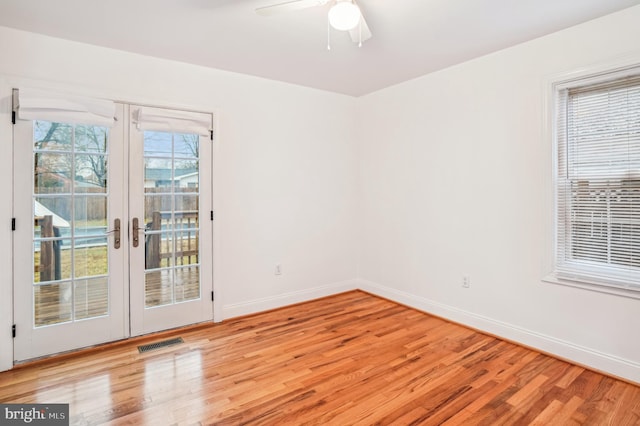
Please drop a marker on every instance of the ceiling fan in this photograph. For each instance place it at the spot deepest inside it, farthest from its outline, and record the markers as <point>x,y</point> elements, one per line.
<point>344,15</point>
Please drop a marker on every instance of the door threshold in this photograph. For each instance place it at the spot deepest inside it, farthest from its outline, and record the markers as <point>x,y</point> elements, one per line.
<point>134,341</point>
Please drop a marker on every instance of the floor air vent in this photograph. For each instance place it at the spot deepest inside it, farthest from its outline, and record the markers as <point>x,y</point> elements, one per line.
<point>158,345</point>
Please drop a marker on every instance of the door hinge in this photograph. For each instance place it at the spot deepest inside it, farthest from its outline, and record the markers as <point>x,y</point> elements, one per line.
<point>212,297</point>
<point>211,134</point>
<point>211,214</point>
<point>14,105</point>
<point>13,331</point>
<point>13,223</point>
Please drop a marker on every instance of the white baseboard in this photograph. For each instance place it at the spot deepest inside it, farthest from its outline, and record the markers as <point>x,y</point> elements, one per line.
<point>280,300</point>
<point>612,365</point>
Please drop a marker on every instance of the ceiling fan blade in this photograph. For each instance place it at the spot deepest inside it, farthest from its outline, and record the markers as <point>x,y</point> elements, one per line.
<point>289,5</point>
<point>355,33</point>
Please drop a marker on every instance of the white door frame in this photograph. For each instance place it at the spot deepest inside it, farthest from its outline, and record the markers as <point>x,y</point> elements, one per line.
<point>6,214</point>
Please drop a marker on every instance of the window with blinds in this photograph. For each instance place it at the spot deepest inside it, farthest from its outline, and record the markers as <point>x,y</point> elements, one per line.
<point>598,181</point>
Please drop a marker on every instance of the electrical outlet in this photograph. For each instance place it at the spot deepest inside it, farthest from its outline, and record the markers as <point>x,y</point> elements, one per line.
<point>278,270</point>
<point>466,281</point>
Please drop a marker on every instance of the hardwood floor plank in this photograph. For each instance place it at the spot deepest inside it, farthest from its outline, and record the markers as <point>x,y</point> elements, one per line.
<point>351,359</point>
<point>569,376</point>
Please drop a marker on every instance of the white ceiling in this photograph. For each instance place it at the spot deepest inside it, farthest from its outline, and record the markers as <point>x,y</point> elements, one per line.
<point>410,37</point>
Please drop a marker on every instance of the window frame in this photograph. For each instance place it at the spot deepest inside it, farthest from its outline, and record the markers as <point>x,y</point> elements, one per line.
<point>552,89</point>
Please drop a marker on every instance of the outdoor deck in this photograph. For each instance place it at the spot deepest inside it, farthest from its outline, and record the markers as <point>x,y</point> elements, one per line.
<point>171,270</point>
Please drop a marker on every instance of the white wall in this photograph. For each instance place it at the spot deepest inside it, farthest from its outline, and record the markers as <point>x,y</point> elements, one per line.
<point>284,167</point>
<point>456,174</point>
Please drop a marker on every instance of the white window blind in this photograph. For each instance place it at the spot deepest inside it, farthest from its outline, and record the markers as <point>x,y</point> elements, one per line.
<point>598,183</point>
<point>38,104</point>
<point>164,120</point>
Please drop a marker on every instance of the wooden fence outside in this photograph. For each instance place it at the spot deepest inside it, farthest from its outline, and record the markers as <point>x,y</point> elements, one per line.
<point>185,245</point>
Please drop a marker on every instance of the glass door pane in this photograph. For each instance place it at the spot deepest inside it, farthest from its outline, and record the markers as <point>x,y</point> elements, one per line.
<point>70,211</point>
<point>171,218</point>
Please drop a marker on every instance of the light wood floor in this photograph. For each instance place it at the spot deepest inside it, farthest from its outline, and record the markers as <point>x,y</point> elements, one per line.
<point>348,359</point>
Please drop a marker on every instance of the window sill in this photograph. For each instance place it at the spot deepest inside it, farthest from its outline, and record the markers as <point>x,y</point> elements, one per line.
<point>599,288</point>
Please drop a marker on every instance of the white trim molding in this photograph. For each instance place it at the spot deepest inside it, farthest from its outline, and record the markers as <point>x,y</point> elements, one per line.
<point>278,301</point>
<point>587,357</point>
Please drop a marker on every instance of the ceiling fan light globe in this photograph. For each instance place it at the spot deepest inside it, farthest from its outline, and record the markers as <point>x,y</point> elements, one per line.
<point>344,16</point>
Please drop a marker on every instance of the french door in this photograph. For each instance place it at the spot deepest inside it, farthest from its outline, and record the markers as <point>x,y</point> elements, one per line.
<point>110,238</point>
<point>171,219</point>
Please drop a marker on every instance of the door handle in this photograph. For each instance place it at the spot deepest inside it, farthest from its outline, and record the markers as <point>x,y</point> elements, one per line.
<point>116,233</point>
<point>136,230</point>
